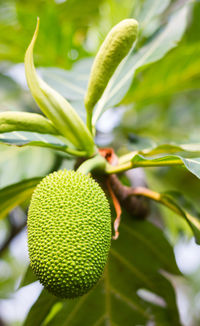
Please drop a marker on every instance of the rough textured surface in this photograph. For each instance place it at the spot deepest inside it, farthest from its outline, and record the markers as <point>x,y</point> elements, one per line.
<point>115,47</point>
<point>69,233</point>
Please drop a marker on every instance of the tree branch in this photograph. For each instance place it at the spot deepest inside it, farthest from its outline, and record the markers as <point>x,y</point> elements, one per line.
<point>137,207</point>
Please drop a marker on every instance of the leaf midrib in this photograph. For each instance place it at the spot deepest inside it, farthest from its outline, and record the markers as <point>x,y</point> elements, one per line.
<point>149,245</point>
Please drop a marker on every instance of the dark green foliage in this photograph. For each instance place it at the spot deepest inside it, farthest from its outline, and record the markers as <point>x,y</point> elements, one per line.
<point>116,299</point>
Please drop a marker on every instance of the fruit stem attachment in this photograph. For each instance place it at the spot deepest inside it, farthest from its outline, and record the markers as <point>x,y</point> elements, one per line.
<point>117,207</point>
<point>96,163</point>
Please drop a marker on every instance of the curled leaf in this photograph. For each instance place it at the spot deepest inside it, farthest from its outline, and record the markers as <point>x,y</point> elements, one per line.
<point>25,121</point>
<point>55,107</point>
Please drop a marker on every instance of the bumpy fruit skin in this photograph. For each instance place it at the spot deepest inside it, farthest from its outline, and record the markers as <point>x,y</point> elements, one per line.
<point>69,233</point>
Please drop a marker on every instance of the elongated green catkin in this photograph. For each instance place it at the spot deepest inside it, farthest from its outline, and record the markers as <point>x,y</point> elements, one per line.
<point>114,48</point>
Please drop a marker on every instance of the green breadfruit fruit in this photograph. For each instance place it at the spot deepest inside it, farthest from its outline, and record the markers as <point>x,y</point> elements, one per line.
<point>69,233</point>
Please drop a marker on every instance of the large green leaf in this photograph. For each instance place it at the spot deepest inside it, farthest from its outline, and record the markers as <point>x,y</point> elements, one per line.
<point>194,223</point>
<point>149,148</point>
<point>71,84</point>
<point>178,71</point>
<point>16,194</point>
<point>148,16</point>
<point>17,164</point>
<point>25,138</point>
<point>12,96</point>
<point>192,34</point>
<point>192,164</point>
<point>40,309</point>
<point>154,50</point>
<point>167,200</point>
<point>10,90</point>
<point>187,155</point>
<point>133,291</point>
<point>28,278</point>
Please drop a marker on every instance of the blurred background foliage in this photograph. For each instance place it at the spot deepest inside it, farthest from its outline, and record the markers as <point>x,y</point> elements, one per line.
<point>162,105</point>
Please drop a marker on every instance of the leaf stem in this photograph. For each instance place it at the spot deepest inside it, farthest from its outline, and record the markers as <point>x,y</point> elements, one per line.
<point>168,202</point>
<point>96,163</point>
<point>142,191</point>
<point>131,165</point>
<point>75,152</point>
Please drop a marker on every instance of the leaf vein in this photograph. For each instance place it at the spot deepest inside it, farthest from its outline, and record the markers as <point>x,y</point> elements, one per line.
<point>133,269</point>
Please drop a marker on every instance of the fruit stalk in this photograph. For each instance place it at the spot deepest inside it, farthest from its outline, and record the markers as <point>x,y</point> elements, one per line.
<point>97,164</point>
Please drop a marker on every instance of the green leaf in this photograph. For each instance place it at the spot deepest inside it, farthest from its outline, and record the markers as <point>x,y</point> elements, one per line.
<point>40,309</point>
<point>167,160</point>
<point>192,164</point>
<point>119,298</point>
<point>23,138</point>
<point>192,34</point>
<point>28,278</point>
<point>148,15</point>
<point>13,121</point>
<point>164,41</point>
<point>188,149</point>
<point>71,84</point>
<point>29,162</point>
<point>193,222</point>
<point>16,194</point>
<point>55,107</point>
<point>178,71</point>
<point>167,200</point>
<point>10,91</point>
<point>141,158</point>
